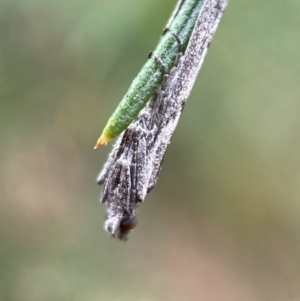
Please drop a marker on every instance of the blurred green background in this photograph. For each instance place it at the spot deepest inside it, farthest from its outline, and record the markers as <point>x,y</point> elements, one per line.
<point>223,222</point>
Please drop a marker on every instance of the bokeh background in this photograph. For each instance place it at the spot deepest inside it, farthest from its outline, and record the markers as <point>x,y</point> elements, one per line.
<point>223,222</point>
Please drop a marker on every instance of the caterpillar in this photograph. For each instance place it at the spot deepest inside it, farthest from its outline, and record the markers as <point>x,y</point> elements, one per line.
<point>143,87</point>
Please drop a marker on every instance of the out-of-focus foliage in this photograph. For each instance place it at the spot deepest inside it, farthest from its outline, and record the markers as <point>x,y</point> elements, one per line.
<point>223,222</point>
